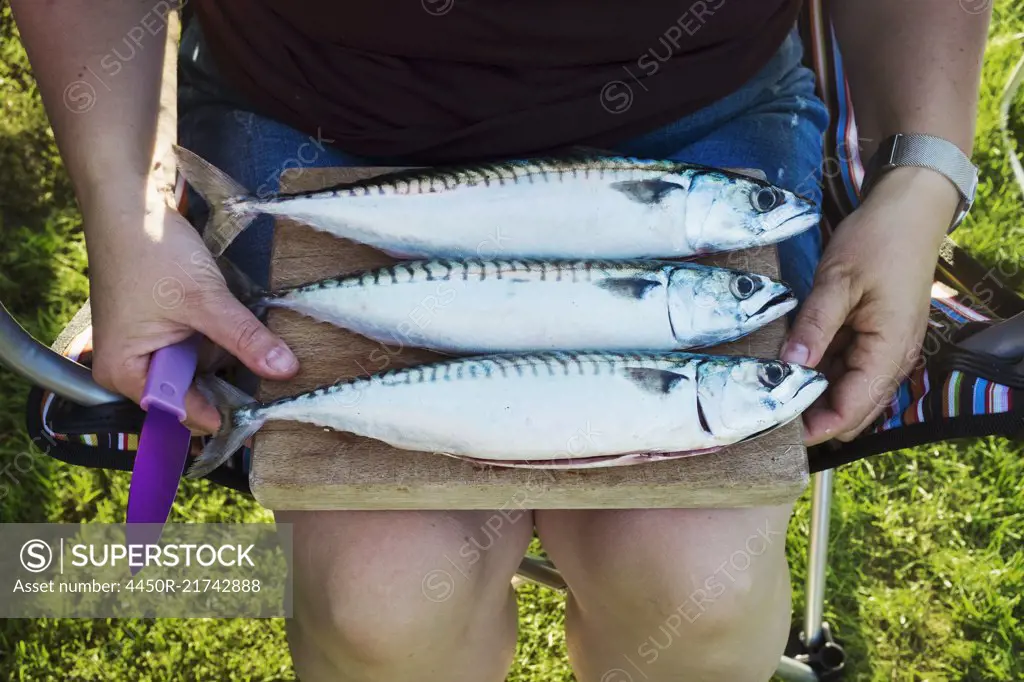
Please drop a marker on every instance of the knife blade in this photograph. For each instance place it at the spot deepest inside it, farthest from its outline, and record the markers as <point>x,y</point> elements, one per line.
<point>163,442</point>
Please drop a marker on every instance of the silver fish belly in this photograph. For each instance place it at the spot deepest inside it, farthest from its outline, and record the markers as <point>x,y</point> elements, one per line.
<point>522,306</point>
<point>549,409</point>
<point>558,208</point>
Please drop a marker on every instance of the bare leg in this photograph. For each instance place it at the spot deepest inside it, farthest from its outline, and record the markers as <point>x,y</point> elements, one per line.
<point>680,594</point>
<point>404,596</point>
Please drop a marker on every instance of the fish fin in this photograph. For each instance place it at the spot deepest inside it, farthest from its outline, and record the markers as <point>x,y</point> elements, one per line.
<point>629,287</point>
<point>657,381</point>
<point>221,193</point>
<point>646,191</point>
<point>233,431</point>
<point>243,287</point>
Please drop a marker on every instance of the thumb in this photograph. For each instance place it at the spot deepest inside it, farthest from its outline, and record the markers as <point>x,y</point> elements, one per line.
<point>233,327</point>
<point>817,321</point>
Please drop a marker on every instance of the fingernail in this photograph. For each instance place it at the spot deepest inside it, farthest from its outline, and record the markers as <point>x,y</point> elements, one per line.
<point>280,359</point>
<point>796,353</point>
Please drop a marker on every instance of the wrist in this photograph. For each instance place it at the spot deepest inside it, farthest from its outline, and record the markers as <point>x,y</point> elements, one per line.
<point>929,194</point>
<point>930,153</point>
<point>127,179</point>
<point>124,222</point>
<point>921,183</point>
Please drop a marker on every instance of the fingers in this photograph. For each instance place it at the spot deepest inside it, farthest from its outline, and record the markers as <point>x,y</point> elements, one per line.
<point>201,415</point>
<point>129,379</point>
<point>850,408</point>
<point>818,337</point>
<point>819,318</point>
<point>833,362</point>
<point>821,423</point>
<point>126,376</point>
<point>851,434</point>
<point>874,367</point>
<point>232,326</point>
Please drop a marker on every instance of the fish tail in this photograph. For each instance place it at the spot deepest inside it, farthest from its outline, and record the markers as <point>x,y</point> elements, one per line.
<point>243,287</point>
<point>228,213</point>
<point>236,424</point>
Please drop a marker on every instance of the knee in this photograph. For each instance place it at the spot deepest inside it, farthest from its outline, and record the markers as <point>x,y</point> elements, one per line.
<point>356,621</point>
<point>714,600</point>
<point>727,618</point>
<point>728,631</point>
<point>686,590</point>
<point>374,609</point>
<point>391,596</point>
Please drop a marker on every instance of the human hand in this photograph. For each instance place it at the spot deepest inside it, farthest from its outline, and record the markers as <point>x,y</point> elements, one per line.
<point>156,284</point>
<point>865,318</point>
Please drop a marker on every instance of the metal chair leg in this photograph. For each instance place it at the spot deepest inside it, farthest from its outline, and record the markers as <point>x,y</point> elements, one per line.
<point>812,644</point>
<point>792,670</point>
<point>817,560</point>
<point>539,571</point>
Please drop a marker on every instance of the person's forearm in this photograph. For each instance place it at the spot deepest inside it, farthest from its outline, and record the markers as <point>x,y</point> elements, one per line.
<point>914,66</point>
<point>108,84</point>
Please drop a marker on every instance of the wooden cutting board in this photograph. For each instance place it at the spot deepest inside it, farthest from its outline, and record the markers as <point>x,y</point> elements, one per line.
<point>298,466</point>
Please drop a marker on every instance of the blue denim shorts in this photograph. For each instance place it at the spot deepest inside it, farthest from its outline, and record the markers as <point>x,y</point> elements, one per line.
<point>775,122</point>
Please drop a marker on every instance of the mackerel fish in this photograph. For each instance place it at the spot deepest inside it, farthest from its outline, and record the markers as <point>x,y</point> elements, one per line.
<point>478,306</point>
<point>548,410</point>
<point>600,207</point>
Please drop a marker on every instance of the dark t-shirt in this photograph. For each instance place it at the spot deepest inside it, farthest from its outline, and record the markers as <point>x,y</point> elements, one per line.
<point>445,80</point>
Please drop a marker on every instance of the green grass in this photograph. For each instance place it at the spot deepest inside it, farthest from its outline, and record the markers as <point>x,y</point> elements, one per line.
<point>926,566</point>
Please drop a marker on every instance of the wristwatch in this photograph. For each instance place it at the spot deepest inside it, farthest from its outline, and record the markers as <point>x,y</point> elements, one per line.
<point>926,151</point>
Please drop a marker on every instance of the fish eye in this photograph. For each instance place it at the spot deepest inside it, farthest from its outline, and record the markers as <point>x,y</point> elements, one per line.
<point>771,374</point>
<point>765,199</point>
<point>743,287</point>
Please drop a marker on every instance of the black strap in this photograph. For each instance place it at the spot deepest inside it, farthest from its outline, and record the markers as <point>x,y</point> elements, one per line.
<point>103,457</point>
<point>74,420</point>
<point>834,454</point>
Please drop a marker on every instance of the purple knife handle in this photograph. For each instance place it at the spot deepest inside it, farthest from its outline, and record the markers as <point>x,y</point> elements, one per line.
<point>171,371</point>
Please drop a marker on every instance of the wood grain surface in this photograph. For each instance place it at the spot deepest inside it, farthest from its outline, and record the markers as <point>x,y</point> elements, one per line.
<point>300,466</point>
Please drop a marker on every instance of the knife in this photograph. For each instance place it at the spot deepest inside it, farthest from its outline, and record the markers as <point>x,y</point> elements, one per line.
<point>163,443</point>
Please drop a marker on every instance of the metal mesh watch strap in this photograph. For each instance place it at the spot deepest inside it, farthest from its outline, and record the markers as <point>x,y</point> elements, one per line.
<point>928,151</point>
<point>938,154</point>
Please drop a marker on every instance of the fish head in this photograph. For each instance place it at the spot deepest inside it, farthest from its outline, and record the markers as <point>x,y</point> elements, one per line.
<point>733,211</point>
<point>738,398</point>
<point>720,304</point>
